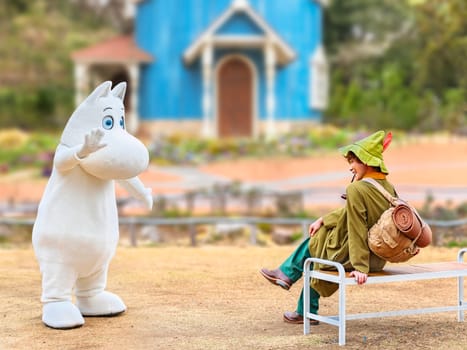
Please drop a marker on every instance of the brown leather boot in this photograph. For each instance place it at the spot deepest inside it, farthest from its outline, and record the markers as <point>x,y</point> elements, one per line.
<point>296,318</point>
<point>277,277</point>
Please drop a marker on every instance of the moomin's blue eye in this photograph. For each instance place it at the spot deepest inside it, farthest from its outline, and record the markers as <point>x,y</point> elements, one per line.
<point>108,122</point>
<point>122,122</point>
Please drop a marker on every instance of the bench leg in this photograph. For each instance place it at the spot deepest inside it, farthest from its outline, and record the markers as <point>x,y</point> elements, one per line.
<point>460,287</point>
<point>342,316</point>
<point>306,298</point>
<point>460,296</point>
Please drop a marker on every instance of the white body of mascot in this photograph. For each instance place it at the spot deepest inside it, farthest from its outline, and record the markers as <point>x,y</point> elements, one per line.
<point>76,233</point>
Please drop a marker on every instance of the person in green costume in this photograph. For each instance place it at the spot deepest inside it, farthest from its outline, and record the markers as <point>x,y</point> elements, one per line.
<point>341,235</point>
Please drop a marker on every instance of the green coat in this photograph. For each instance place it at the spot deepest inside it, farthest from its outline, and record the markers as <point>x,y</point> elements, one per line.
<point>344,235</point>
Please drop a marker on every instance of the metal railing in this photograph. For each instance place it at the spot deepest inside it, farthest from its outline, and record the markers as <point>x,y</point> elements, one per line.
<point>191,222</point>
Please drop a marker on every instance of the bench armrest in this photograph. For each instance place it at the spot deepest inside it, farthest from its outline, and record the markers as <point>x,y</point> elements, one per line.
<point>339,267</point>
<point>460,255</point>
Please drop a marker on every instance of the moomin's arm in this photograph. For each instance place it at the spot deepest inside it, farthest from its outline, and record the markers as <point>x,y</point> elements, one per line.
<point>66,158</point>
<point>136,188</point>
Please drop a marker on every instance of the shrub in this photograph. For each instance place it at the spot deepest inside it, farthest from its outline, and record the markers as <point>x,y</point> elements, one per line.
<point>11,139</point>
<point>21,150</point>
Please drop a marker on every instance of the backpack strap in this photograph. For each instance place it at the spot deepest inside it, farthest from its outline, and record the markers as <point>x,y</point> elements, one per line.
<point>393,200</point>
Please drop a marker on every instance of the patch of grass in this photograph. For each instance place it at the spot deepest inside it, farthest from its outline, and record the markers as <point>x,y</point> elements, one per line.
<point>456,244</point>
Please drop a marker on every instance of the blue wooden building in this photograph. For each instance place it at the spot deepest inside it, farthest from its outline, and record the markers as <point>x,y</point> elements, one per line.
<point>216,68</point>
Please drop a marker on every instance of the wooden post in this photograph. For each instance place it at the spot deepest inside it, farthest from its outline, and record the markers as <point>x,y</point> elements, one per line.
<point>192,230</point>
<point>253,234</point>
<point>133,238</point>
<point>305,229</point>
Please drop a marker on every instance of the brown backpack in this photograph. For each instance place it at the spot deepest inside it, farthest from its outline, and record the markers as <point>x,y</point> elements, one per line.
<point>400,231</point>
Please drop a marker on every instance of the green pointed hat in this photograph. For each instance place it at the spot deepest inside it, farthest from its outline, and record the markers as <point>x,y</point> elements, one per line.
<point>369,150</point>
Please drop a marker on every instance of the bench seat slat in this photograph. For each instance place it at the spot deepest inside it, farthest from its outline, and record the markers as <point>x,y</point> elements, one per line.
<point>411,269</point>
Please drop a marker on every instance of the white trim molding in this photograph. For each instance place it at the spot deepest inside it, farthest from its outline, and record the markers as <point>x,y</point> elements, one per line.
<point>81,75</point>
<point>132,116</point>
<point>270,73</point>
<point>319,79</point>
<point>206,66</point>
<point>284,52</point>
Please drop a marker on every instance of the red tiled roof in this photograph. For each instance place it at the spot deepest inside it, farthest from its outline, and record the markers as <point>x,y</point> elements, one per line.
<point>120,49</point>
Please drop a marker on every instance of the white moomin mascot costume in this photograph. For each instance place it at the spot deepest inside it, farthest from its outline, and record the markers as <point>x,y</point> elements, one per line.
<point>76,230</point>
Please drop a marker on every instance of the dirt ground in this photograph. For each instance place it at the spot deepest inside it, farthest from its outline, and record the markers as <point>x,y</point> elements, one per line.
<point>212,297</point>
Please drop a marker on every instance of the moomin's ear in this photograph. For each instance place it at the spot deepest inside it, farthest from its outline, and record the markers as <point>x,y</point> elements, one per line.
<point>100,91</point>
<point>119,90</point>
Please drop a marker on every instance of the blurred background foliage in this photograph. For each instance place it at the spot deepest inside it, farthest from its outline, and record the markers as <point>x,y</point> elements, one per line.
<point>36,72</point>
<point>183,149</point>
<point>20,149</point>
<point>394,63</point>
<point>398,63</point>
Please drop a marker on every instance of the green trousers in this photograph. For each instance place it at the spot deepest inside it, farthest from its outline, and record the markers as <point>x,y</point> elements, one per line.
<point>293,268</point>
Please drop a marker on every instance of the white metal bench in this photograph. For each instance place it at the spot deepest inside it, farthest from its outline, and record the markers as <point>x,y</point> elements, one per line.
<point>393,273</point>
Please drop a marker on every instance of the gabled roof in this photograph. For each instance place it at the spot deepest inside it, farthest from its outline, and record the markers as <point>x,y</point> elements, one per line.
<point>284,52</point>
<point>120,49</point>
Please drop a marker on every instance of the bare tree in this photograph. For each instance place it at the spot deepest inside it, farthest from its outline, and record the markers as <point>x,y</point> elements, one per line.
<point>119,13</point>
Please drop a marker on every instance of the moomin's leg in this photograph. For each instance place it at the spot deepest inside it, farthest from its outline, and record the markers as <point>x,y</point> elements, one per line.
<point>57,285</point>
<point>93,300</point>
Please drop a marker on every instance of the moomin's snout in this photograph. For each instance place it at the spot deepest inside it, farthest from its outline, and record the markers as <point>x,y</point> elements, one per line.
<point>123,157</point>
